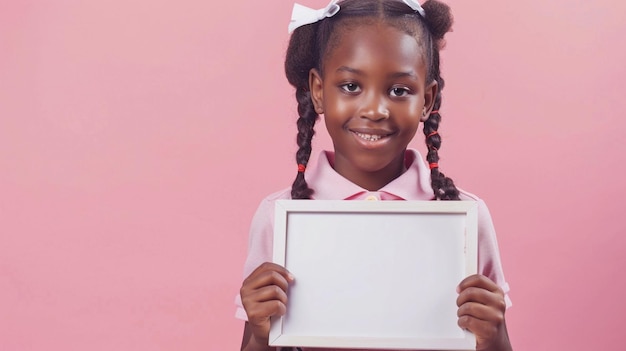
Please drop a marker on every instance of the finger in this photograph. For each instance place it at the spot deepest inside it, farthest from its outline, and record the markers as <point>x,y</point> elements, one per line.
<point>267,274</point>
<point>482,296</point>
<point>475,325</point>
<point>263,293</point>
<point>478,281</point>
<point>266,293</point>
<point>481,312</point>
<point>264,303</point>
<point>483,330</point>
<point>269,266</point>
<point>263,279</point>
<point>261,312</point>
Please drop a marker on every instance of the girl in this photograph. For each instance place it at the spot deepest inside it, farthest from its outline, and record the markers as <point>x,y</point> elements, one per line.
<point>371,67</point>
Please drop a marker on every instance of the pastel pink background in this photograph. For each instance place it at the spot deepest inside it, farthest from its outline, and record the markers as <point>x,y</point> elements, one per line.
<point>137,138</point>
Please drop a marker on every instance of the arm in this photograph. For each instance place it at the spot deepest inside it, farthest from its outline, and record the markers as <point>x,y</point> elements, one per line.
<point>263,294</point>
<point>481,311</point>
<point>251,343</point>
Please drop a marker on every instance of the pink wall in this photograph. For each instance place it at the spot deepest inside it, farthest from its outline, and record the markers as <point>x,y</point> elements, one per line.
<point>134,147</point>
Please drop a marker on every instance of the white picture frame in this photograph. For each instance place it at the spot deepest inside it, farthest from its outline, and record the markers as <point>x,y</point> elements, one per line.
<point>374,274</point>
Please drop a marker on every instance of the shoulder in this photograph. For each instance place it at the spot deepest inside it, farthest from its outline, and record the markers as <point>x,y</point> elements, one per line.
<point>484,216</point>
<point>284,194</point>
<point>467,196</point>
<point>265,210</point>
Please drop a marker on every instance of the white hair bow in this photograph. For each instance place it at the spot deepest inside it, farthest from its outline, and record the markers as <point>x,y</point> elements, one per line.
<point>415,6</point>
<point>302,15</point>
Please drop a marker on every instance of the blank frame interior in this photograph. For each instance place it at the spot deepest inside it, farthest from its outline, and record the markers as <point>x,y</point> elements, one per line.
<point>374,274</point>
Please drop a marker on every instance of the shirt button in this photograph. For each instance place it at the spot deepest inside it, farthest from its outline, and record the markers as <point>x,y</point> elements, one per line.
<point>371,198</point>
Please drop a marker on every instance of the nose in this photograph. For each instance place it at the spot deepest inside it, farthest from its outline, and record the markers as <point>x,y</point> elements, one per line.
<point>374,108</point>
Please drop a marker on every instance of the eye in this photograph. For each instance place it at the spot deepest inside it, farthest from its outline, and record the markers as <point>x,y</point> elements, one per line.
<point>350,87</point>
<point>399,92</point>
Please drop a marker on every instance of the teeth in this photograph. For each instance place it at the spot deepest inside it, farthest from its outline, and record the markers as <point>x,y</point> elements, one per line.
<point>369,137</point>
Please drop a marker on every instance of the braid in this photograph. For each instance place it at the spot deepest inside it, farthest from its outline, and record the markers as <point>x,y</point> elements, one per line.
<point>300,59</point>
<point>300,189</point>
<point>443,186</point>
<point>438,22</point>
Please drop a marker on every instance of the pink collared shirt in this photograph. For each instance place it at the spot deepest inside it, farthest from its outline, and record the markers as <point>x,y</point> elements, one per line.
<point>414,184</point>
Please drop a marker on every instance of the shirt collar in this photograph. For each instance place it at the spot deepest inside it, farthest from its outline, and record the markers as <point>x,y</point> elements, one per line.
<point>327,184</point>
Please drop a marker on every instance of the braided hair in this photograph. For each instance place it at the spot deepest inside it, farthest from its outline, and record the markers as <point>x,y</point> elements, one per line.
<point>310,44</point>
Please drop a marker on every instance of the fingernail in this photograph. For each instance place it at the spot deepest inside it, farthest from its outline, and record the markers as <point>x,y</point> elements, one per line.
<point>290,276</point>
<point>458,289</point>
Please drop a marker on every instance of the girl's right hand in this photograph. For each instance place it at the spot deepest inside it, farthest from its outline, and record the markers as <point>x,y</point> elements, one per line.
<point>264,295</point>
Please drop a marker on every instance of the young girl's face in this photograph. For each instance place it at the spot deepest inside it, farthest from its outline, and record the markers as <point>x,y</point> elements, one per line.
<point>373,94</point>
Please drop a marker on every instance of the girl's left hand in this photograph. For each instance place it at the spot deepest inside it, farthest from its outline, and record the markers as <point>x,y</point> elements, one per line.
<point>481,311</point>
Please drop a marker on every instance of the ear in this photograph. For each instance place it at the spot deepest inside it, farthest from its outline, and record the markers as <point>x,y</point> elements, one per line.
<point>430,93</point>
<point>316,87</point>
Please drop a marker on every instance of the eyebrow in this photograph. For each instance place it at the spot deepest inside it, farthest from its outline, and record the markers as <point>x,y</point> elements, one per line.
<point>350,70</point>
<point>409,74</point>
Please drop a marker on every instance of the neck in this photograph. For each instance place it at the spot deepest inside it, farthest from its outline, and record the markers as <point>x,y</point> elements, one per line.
<point>371,180</point>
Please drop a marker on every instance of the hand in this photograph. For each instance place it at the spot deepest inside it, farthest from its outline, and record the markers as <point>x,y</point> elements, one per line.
<point>264,294</point>
<point>481,311</point>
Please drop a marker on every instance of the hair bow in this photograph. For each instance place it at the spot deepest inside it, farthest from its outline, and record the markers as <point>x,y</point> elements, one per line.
<point>415,6</point>
<point>302,15</point>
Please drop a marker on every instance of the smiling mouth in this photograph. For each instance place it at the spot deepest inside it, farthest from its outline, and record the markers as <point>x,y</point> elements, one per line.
<point>370,137</point>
